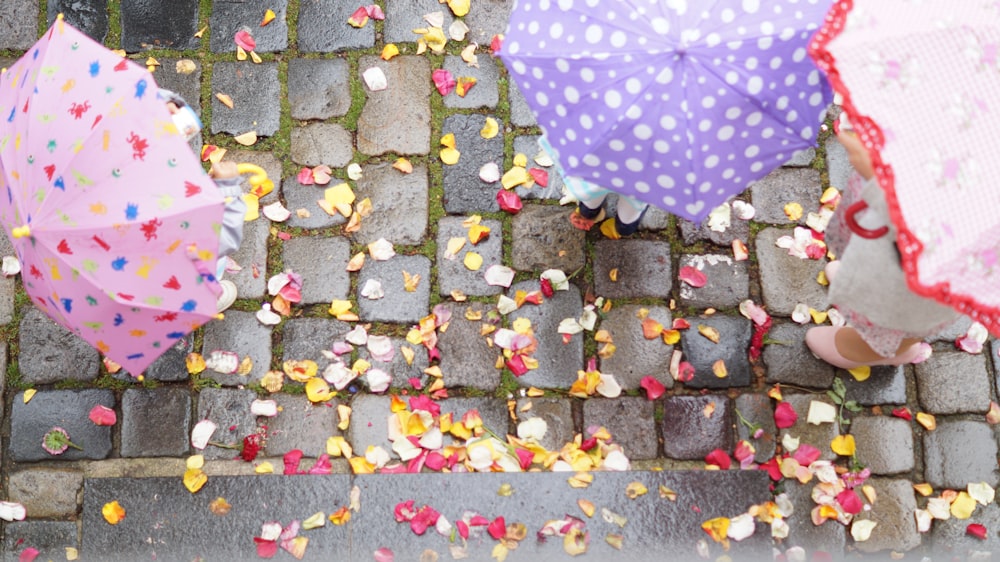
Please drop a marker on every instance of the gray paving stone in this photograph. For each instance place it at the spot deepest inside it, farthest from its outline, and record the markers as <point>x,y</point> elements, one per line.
<point>375,411</point>
<point>830,537</point>
<point>493,412</point>
<point>398,118</point>
<point>397,305</point>
<point>528,146</point>
<point>403,16</point>
<point>756,409</point>
<point>787,280</point>
<point>398,369</point>
<point>955,331</point>
<point>538,498</point>
<point>782,186</point>
<point>318,88</point>
<point>558,416</point>
<point>543,238</point>
<point>630,421</point>
<point>240,333</point>
<point>636,357</point>
<point>893,513</point>
<point>702,353</point>
<point>464,191</point>
<point>318,17</point>
<point>301,200</point>
<point>67,409</point>
<point>187,85</point>
<point>46,492</point>
<point>19,23</point>
<point>256,94</point>
<point>953,382</point>
<point>643,268</point>
<point>228,18</point>
<point>688,434</point>
<point>886,386</point>
<point>229,409</point>
<point>950,541</point>
<point>727,286</point>
<point>301,425</point>
<point>486,19</point>
<point>520,112</point>
<point>89,16</point>
<point>884,444</point>
<point>148,24</point>
<point>558,362</point>
<point>467,361</point>
<point>50,353</point>
<point>322,263</point>
<point>7,290</point>
<point>50,538</point>
<point>170,366</point>
<point>306,338</point>
<point>801,159</point>
<point>452,273</point>
<point>3,379</point>
<point>838,166</point>
<point>166,522</point>
<point>692,233</point>
<point>959,452</point>
<point>485,94</point>
<point>322,143</point>
<point>789,361</point>
<point>156,422</point>
<point>399,205</point>
<point>818,436</point>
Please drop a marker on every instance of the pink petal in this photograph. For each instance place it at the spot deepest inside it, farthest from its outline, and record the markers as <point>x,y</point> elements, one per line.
<point>654,388</point>
<point>404,511</point>
<point>443,81</point>
<point>375,12</point>
<point>525,458</point>
<point>424,402</point>
<point>384,555</point>
<point>305,176</point>
<point>30,553</point>
<point>102,415</point>
<point>540,176</point>
<point>266,548</point>
<point>322,465</point>
<point>292,459</point>
<point>359,18</point>
<point>976,530</point>
<point>692,276</point>
<point>245,40</point>
<point>509,201</point>
<point>435,461</point>
<point>850,502</point>
<point>516,365</point>
<point>497,528</point>
<point>785,416</point>
<point>806,454</point>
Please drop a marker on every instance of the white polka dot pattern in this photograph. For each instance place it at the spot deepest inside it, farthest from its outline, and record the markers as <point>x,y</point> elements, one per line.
<point>675,102</point>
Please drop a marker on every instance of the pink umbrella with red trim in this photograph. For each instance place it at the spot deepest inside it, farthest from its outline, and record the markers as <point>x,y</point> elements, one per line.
<point>920,83</point>
<point>111,214</point>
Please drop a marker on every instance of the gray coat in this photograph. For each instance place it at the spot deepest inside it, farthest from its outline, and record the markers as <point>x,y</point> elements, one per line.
<point>871,282</point>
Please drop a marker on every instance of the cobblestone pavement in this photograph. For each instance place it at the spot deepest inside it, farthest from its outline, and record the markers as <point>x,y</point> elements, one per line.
<point>308,102</point>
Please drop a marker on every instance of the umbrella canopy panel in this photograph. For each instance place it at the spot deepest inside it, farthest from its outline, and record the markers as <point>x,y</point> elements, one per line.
<point>113,217</point>
<point>681,104</point>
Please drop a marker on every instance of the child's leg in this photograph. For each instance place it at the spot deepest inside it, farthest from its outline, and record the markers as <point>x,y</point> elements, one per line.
<point>629,215</point>
<point>851,346</point>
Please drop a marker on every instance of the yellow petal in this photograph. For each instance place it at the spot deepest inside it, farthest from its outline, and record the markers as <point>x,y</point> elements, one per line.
<point>338,307</point>
<point>240,53</point>
<point>861,373</point>
<point>490,129</point>
<point>709,332</point>
<point>246,139</point>
<point>450,156</point>
<point>478,233</point>
<point>843,445</point>
<point>339,195</point>
<point>963,506</point>
<point>341,516</point>
<point>356,262</point>
<point>344,413</point>
<point>194,479</point>
<point>473,261</point>
<point>719,368</point>
<point>113,512</point>
<point>72,553</point>
<point>408,354</point>
<point>150,61</point>
<point>635,489</point>
<point>29,394</point>
<point>194,361</point>
<point>264,468</point>
<point>793,211</point>
<point>410,281</point>
<point>225,99</point>
<point>255,57</point>
<point>195,461</point>
<point>923,489</point>
<point>315,520</point>
<point>389,51</point>
<point>514,177</point>
<point>818,316</point>
<point>269,16</point>
<point>667,494</point>
<point>252,203</point>
<point>317,390</point>
<point>926,420</point>
<point>586,506</point>
<point>459,7</point>
<point>337,446</point>
<point>671,337</point>
<point>716,528</point>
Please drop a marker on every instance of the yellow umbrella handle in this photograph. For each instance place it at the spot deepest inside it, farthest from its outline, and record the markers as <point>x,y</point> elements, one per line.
<point>260,184</point>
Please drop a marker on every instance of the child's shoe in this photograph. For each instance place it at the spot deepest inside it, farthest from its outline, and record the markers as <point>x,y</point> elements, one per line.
<point>591,214</point>
<point>228,296</point>
<point>628,229</point>
<point>822,341</point>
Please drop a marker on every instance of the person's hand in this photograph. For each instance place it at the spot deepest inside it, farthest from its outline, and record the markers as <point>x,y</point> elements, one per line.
<point>857,154</point>
<point>223,170</point>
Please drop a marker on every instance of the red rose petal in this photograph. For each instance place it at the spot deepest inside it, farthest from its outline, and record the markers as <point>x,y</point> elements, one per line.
<point>976,530</point>
<point>654,388</point>
<point>540,176</point>
<point>497,529</point>
<point>850,502</point>
<point>903,412</point>
<point>509,201</point>
<point>719,458</point>
<point>785,416</point>
<point>692,276</point>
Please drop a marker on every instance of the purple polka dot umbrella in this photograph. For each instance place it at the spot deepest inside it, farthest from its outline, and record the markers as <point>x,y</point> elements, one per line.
<point>681,104</point>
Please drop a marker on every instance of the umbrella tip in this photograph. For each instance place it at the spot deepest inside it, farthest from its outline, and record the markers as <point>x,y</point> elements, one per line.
<point>21,231</point>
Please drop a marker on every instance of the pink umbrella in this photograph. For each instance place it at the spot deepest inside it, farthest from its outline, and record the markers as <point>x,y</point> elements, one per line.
<point>112,216</point>
<point>920,83</point>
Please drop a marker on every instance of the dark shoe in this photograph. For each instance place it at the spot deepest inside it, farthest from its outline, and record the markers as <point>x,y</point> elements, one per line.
<point>628,229</point>
<point>588,213</point>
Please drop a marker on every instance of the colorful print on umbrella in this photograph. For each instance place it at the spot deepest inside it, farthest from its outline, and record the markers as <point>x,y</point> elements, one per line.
<point>111,214</point>
<point>681,104</point>
<point>920,83</point>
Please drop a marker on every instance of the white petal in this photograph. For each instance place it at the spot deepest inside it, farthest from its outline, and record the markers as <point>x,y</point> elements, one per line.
<point>268,408</point>
<point>795,553</point>
<point>490,172</point>
<point>376,455</point>
<point>354,171</point>
<point>506,305</point>
<point>339,375</point>
<point>378,380</point>
<point>719,218</point>
<point>432,439</point>
<point>801,313</point>
<point>457,30</point>
<point>609,387</point>
<point>372,289</point>
<point>435,19</point>
<point>821,412</point>
<point>939,508</point>
<point>443,526</point>
<point>225,362</point>
<point>924,520</point>
<point>268,317</point>
<point>504,338</point>
<point>569,326</point>
<point>276,282</point>
<point>201,433</point>
<point>616,460</point>
<point>357,336</point>
<point>789,443</point>
<point>381,250</point>
<point>543,159</point>
<point>499,275</point>
<point>12,511</point>
<point>785,506</point>
<point>740,527</point>
<point>982,493</point>
<point>588,318</point>
<point>381,348</point>
<point>270,531</point>
<point>11,266</point>
<point>557,278</point>
<point>861,530</point>
<point>276,212</point>
<point>532,428</point>
<point>375,79</point>
<point>405,449</point>
<point>743,210</point>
